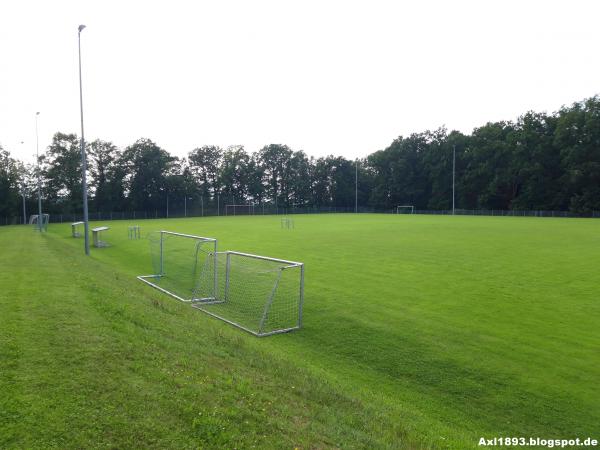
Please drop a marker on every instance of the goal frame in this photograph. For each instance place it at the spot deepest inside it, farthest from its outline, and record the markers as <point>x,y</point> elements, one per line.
<point>412,208</point>
<point>250,207</point>
<point>286,265</point>
<point>34,220</point>
<point>147,278</point>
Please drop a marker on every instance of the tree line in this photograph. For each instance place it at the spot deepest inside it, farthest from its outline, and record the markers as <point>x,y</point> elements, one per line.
<point>538,162</point>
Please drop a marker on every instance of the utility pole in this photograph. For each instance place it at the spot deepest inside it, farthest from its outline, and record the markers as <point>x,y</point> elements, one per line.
<point>39,183</point>
<point>86,225</point>
<point>356,188</point>
<point>23,189</point>
<point>453,176</point>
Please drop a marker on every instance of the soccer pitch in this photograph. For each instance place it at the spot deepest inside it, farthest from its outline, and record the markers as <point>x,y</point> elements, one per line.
<point>418,332</point>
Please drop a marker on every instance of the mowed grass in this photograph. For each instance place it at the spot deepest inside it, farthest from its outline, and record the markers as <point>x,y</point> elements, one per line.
<point>419,332</point>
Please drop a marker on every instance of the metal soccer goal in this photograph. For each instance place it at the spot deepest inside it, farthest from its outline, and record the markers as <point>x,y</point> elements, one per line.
<point>180,264</point>
<point>39,224</point>
<point>239,210</point>
<point>258,294</point>
<point>405,209</point>
<point>287,223</point>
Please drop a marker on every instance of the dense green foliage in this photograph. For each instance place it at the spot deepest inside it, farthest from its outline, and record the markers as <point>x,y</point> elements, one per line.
<point>419,331</point>
<point>540,162</point>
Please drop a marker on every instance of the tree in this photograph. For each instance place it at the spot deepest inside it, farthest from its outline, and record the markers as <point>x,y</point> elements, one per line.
<point>147,167</point>
<point>300,173</point>
<point>106,176</point>
<point>234,175</point>
<point>275,161</point>
<point>578,136</point>
<point>9,185</point>
<point>204,163</point>
<point>62,173</point>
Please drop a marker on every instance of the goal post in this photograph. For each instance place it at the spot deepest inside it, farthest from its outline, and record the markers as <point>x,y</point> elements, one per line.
<point>179,262</point>
<point>39,224</point>
<point>239,210</point>
<point>405,209</point>
<point>258,294</point>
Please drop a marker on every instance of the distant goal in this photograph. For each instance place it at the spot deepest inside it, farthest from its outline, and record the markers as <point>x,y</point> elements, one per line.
<point>239,210</point>
<point>39,224</point>
<point>405,209</point>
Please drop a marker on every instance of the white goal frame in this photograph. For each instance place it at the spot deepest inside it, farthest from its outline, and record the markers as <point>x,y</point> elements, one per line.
<point>412,208</point>
<point>146,278</point>
<point>249,206</point>
<point>34,220</point>
<point>259,330</point>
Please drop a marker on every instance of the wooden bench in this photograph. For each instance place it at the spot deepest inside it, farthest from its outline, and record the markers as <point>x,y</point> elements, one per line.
<point>96,233</point>
<point>74,231</point>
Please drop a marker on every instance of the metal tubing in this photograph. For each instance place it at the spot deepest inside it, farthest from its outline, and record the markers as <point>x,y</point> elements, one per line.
<point>161,254</point>
<point>187,235</point>
<point>301,304</point>
<point>83,155</point>
<point>227,270</point>
<point>292,263</point>
<point>269,303</point>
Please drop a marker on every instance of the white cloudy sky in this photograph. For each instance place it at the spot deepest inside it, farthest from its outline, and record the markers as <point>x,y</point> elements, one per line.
<point>329,77</point>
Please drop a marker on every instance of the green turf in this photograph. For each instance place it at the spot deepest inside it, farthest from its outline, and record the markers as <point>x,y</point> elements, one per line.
<point>419,331</point>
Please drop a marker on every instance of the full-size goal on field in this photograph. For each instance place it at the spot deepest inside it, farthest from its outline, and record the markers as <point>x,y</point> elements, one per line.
<point>180,262</point>
<point>39,224</point>
<point>258,294</point>
<point>239,210</point>
<point>405,209</point>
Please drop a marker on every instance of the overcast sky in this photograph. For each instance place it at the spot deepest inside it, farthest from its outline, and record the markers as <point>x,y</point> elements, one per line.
<point>327,77</point>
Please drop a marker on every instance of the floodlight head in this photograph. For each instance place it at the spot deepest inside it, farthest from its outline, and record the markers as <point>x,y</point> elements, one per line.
<point>81,27</point>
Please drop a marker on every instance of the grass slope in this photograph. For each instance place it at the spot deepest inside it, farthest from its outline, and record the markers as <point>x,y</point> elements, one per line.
<point>419,332</point>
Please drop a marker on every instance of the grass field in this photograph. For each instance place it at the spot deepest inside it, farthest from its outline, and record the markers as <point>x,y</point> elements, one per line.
<point>419,332</point>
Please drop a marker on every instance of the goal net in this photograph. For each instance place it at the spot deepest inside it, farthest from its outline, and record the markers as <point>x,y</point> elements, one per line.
<point>40,224</point>
<point>405,209</point>
<point>261,295</point>
<point>180,262</point>
<point>239,210</point>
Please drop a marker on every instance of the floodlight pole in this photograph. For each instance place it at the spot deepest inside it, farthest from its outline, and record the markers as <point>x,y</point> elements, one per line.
<point>83,156</point>
<point>23,194</point>
<point>39,183</point>
<point>356,187</point>
<point>24,210</point>
<point>453,176</point>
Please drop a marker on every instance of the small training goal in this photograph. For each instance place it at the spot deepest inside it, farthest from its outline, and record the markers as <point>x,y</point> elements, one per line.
<point>179,262</point>
<point>39,224</point>
<point>258,294</point>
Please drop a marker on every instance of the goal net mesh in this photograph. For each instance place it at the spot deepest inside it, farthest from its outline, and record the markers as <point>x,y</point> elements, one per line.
<point>179,262</point>
<point>261,295</point>
<point>39,223</point>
